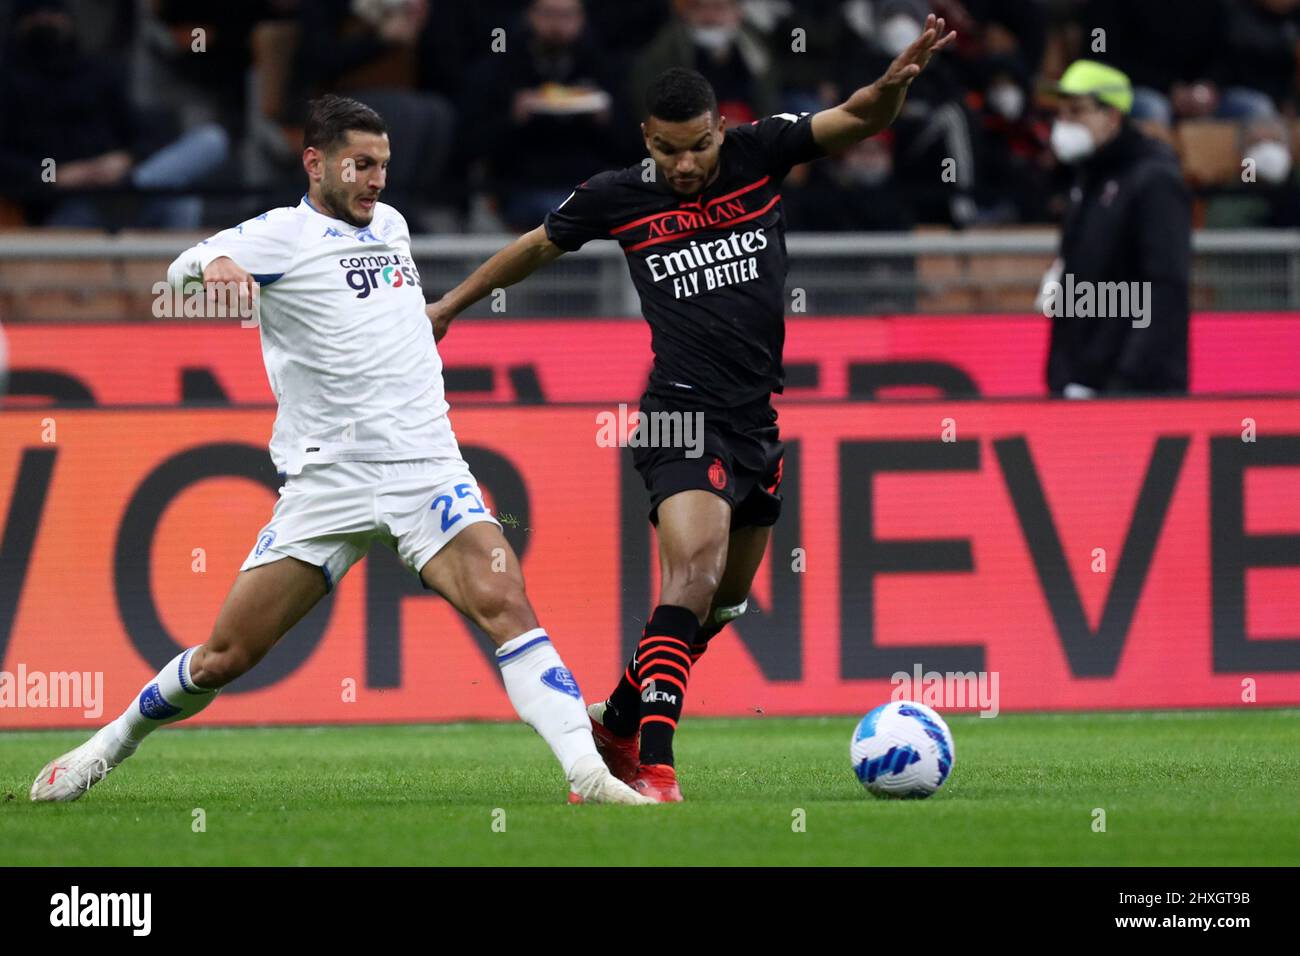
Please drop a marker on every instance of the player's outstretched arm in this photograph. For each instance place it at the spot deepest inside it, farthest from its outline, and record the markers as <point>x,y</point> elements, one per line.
<point>874,107</point>
<point>515,262</point>
<point>228,287</point>
<point>236,262</point>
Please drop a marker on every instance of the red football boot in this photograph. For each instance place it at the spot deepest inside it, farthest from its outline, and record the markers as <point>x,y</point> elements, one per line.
<point>622,755</point>
<point>658,781</point>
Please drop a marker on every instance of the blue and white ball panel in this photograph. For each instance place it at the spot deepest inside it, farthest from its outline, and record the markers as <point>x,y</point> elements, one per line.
<point>902,749</point>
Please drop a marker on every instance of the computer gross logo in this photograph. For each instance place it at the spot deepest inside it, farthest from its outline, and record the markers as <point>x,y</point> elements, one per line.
<point>364,274</point>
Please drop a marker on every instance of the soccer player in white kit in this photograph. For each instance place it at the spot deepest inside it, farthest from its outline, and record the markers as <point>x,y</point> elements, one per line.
<point>367,452</point>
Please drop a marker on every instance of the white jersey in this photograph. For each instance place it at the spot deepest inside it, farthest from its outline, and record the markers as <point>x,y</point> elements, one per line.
<point>348,347</point>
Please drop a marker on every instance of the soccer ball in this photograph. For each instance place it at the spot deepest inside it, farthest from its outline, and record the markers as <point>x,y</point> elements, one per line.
<point>902,749</point>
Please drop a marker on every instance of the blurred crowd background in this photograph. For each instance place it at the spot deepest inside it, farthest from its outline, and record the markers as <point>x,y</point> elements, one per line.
<point>187,113</point>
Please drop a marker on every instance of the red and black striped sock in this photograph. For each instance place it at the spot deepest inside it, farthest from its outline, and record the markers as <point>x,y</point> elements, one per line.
<point>663,671</point>
<point>622,710</point>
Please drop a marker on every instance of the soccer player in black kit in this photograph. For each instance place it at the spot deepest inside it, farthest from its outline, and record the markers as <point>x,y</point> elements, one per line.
<point>704,237</point>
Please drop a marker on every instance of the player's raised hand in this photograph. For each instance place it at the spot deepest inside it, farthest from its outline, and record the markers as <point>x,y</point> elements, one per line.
<point>229,289</point>
<point>874,107</point>
<point>908,65</point>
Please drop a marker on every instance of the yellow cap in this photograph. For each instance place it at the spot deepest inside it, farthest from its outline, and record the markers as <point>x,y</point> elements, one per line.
<point>1090,78</point>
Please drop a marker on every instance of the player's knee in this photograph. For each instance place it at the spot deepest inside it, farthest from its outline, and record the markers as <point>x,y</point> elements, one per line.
<point>692,584</point>
<point>217,668</point>
<point>498,604</point>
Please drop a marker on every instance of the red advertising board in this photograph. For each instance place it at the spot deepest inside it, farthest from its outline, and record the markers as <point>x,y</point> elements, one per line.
<point>1115,554</point>
<point>599,360</point>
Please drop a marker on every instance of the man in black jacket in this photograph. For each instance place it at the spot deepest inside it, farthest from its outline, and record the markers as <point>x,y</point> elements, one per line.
<point>1118,294</point>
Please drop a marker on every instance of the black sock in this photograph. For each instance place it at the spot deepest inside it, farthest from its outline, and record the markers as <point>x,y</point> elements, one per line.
<point>623,709</point>
<point>706,633</point>
<point>663,671</point>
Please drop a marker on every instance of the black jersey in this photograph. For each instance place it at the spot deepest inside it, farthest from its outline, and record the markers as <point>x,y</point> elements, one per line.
<point>710,272</point>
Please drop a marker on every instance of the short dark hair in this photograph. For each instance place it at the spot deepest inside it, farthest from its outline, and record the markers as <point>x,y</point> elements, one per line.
<point>680,94</point>
<point>330,117</point>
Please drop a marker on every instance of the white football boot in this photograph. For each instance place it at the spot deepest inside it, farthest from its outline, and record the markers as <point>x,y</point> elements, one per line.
<point>593,783</point>
<point>70,776</point>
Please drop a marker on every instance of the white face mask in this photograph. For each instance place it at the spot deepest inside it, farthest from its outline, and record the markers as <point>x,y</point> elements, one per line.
<point>1007,100</point>
<point>1272,161</point>
<point>898,32</point>
<point>713,39</point>
<point>1071,141</point>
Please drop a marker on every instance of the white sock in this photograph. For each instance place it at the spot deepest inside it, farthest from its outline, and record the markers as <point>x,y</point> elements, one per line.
<point>169,697</point>
<point>546,697</point>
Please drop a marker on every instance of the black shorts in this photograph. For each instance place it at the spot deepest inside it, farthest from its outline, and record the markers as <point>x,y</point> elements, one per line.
<point>740,460</point>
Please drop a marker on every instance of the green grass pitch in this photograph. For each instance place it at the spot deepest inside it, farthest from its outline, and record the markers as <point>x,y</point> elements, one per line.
<point>1206,788</point>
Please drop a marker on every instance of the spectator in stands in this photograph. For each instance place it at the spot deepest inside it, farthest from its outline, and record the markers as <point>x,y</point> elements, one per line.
<point>1012,154</point>
<point>624,28</point>
<point>209,84</point>
<point>208,62</point>
<point>713,38</point>
<point>1268,195</point>
<point>820,63</point>
<point>851,192</point>
<point>1126,242</point>
<point>934,155</point>
<point>1259,53</point>
<point>1012,34</point>
<point>998,57</point>
<point>1177,57</point>
<point>543,114</point>
<point>69,130</point>
<point>371,50</point>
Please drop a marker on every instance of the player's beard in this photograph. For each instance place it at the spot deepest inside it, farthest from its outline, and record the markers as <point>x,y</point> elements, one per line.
<point>700,184</point>
<point>338,203</point>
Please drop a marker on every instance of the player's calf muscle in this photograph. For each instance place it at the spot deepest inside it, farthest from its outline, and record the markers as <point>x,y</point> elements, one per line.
<point>732,589</point>
<point>479,574</point>
<point>212,669</point>
<point>692,570</point>
<point>692,567</point>
<point>499,605</point>
<point>744,555</point>
<point>262,606</point>
<point>693,528</point>
<point>692,583</point>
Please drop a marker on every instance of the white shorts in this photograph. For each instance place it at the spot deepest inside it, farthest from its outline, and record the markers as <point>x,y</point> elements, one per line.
<point>330,513</point>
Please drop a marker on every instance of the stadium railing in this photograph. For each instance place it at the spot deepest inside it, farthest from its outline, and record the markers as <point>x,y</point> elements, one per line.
<point>66,275</point>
